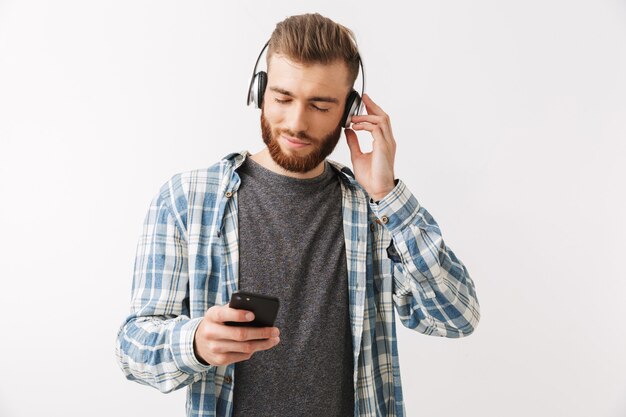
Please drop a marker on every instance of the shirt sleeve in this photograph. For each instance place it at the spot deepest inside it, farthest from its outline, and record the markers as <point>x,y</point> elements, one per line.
<point>155,342</point>
<point>432,289</point>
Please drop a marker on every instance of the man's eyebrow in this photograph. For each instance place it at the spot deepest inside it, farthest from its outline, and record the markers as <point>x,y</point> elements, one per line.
<point>316,98</point>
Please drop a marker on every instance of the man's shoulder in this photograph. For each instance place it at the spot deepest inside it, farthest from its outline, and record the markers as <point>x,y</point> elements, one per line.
<point>202,180</point>
<point>213,172</point>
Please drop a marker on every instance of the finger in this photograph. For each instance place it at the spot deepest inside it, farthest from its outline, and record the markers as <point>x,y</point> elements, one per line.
<point>242,334</point>
<point>375,130</point>
<point>249,347</point>
<point>222,359</point>
<point>375,109</point>
<point>353,143</point>
<point>236,357</point>
<point>381,121</point>
<point>367,118</point>
<point>220,314</point>
<point>370,105</point>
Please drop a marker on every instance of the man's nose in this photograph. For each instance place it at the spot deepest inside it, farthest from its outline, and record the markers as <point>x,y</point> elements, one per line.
<point>297,118</point>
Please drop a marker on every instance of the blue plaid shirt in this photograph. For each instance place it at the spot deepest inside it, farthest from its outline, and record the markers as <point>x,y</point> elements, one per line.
<point>187,261</point>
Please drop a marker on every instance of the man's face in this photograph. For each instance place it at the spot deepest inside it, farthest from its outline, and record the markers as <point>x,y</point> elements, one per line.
<point>302,109</point>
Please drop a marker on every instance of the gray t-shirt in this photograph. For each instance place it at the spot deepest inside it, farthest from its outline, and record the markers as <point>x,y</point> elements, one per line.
<point>292,247</point>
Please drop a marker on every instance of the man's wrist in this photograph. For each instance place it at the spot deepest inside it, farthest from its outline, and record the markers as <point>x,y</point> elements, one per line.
<point>197,354</point>
<point>380,196</point>
<point>375,198</point>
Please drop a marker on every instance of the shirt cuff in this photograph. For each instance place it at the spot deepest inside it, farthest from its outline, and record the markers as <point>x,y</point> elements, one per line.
<point>182,347</point>
<point>397,209</point>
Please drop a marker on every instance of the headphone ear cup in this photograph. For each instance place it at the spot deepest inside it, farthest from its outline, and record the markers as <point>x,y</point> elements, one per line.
<point>353,102</point>
<point>261,85</point>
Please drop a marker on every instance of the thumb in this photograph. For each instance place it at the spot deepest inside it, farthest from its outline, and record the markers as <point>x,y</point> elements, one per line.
<point>353,143</point>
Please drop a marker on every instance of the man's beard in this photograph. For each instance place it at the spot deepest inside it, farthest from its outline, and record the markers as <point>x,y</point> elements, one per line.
<point>294,163</point>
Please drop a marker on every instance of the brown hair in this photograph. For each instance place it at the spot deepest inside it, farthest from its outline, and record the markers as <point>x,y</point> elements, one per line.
<point>312,38</point>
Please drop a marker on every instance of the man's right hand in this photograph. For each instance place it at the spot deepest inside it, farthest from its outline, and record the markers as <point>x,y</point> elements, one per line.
<point>218,344</point>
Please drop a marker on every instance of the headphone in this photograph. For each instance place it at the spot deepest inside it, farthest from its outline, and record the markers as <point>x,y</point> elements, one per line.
<point>258,83</point>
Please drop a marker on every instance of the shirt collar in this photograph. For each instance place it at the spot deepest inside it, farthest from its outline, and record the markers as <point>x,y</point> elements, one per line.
<point>345,173</point>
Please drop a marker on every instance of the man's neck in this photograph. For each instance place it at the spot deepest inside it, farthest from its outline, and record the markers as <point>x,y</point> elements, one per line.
<point>265,160</point>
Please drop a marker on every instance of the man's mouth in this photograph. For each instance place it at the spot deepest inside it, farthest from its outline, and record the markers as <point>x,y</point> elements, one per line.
<point>294,141</point>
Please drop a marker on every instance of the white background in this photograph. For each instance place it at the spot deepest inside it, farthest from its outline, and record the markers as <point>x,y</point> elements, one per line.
<point>510,119</point>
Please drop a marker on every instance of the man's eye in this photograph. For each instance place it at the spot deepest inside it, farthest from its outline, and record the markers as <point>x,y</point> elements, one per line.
<point>287,101</point>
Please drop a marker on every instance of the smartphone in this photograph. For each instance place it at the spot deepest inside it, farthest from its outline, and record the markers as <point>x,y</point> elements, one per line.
<point>264,307</point>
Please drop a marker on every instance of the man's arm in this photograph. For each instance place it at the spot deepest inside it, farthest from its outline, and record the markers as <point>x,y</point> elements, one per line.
<point>155,343</point>
<point>433,291</point>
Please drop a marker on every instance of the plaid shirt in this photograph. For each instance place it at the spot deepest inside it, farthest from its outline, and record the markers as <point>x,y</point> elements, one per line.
<point>187,261</point>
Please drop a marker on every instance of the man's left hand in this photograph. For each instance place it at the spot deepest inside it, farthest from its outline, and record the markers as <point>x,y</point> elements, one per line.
<point>373,170</point>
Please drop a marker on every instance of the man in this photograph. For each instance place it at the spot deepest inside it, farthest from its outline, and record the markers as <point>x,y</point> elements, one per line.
<point>338,249</point>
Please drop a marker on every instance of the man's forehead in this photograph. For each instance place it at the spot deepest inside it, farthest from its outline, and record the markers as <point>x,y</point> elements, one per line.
<point>317,79</point>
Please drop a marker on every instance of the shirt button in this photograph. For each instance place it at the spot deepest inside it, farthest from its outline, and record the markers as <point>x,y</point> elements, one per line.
<point>229,194</point>
<point>372,227</point>
<point>227,379</point>
<point>384,219</point>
